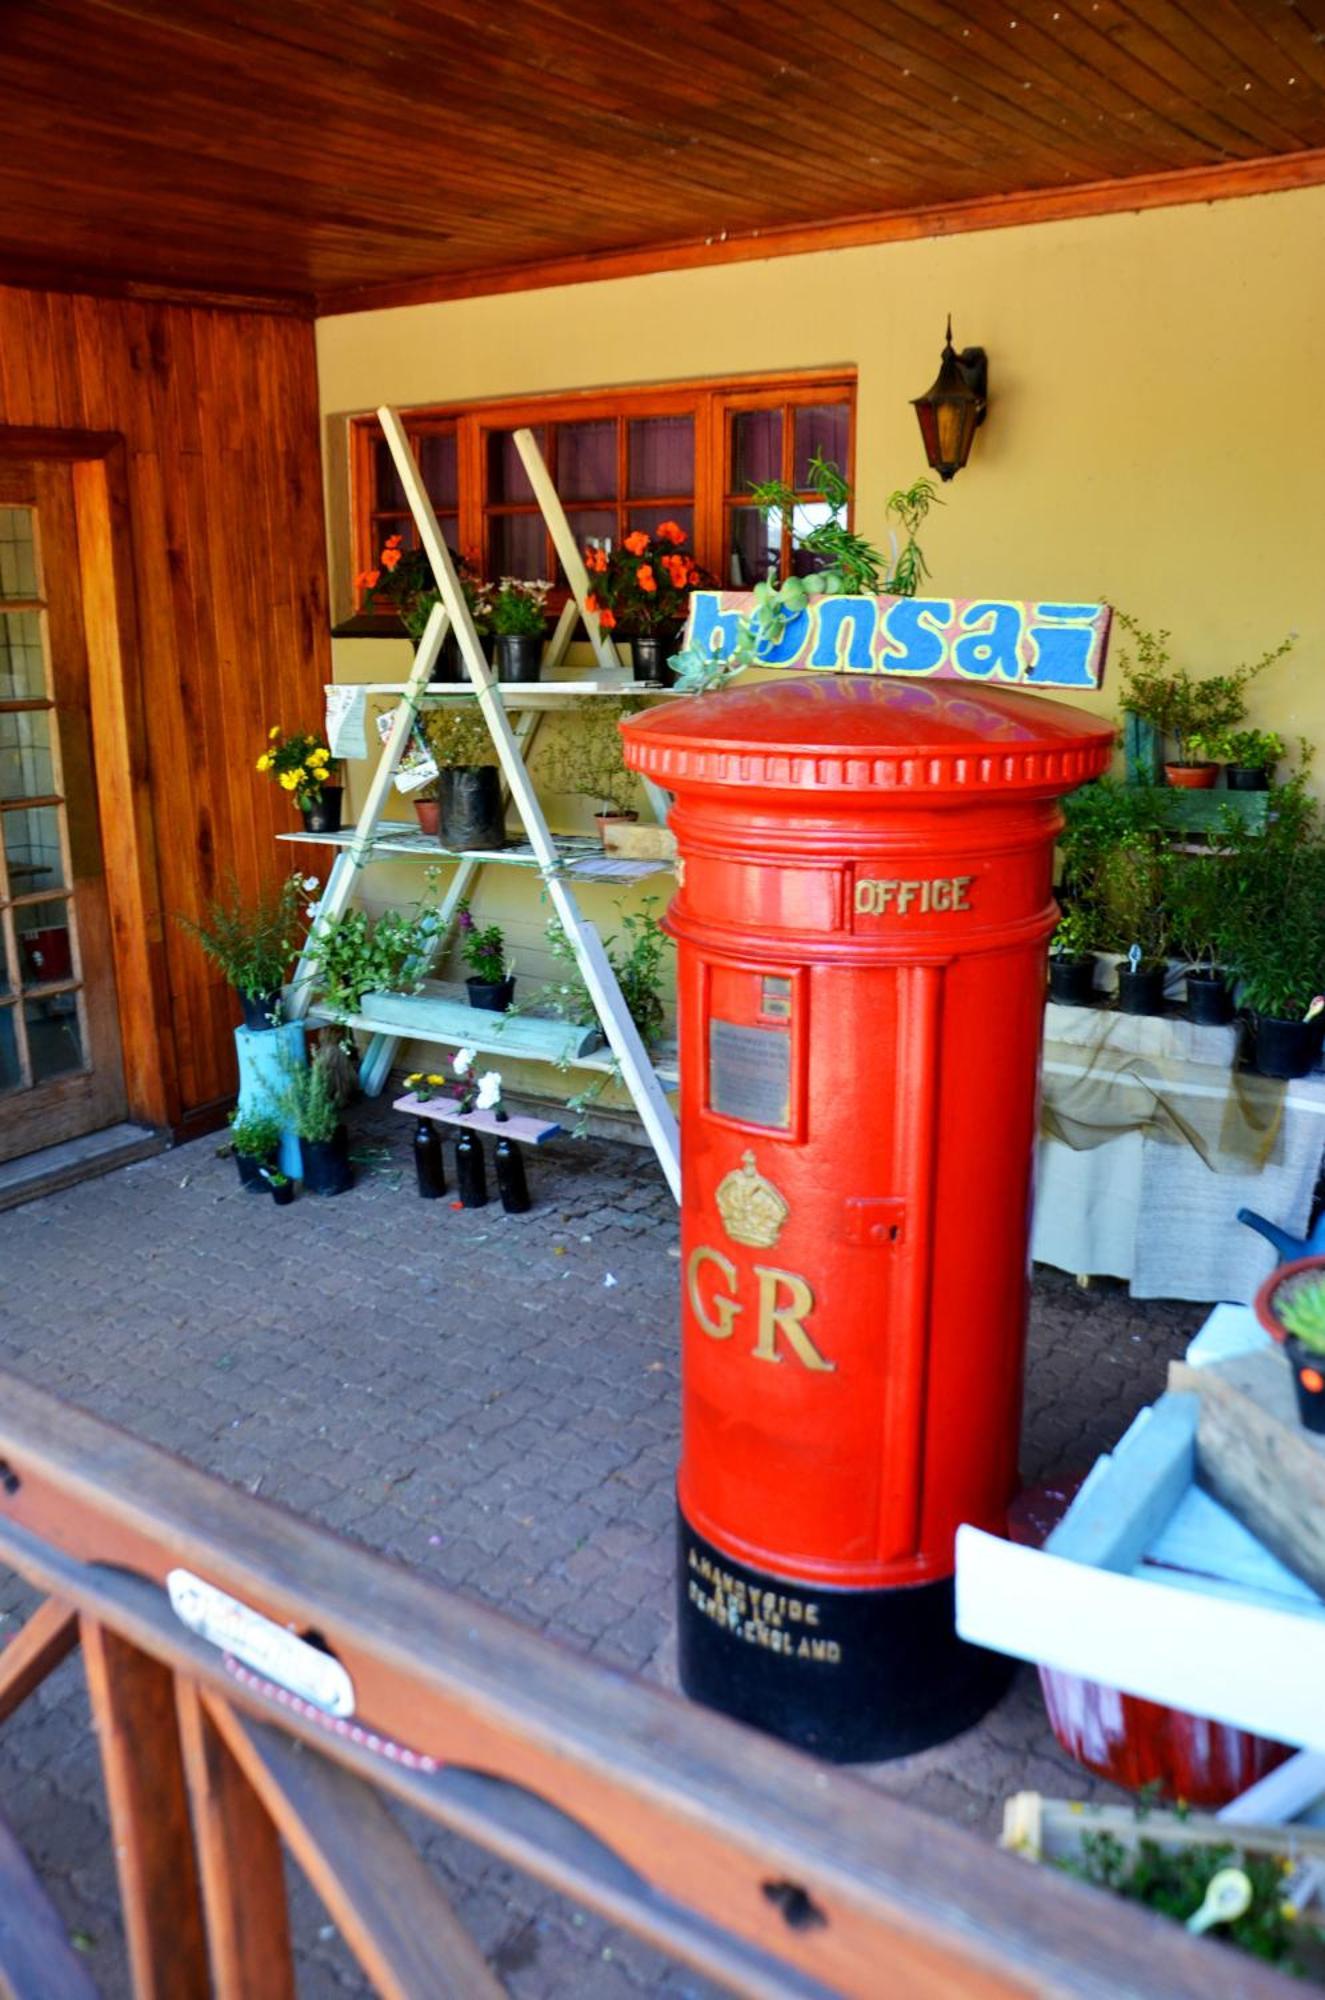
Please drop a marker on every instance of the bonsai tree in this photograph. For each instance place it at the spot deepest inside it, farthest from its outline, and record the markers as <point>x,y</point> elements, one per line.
<point>1195,890</point>
<point>1174,702</point>
<point>458,738</point>
<point>1271,928</point>
<point>1243,749</point>
<point>1102,892</point>
<point>584,759</point>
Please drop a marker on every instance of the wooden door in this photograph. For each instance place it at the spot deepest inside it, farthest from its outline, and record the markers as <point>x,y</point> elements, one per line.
<point>61,1072</point>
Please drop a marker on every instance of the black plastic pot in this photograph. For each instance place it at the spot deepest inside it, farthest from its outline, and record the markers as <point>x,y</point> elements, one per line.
<point>324,817</point>
<point>261,1010</point>
<point>428,1165</point>
<point>472,815</point>
<point>519,656</point>
<point>1208,999</point>
<point>1243,778</point>
<point>282,1194</point>
<point>511,1183</point>
<point>1142,991</point>
<point>327,1168</point>
<point>470,1173</point>
<point>1309,1382</point>
<point>1284,1048</point>
<point>651,655</point>
<point>1072,981</point>
<point>249,1169</point>
<point>493,994</point>
<point>448,666</point>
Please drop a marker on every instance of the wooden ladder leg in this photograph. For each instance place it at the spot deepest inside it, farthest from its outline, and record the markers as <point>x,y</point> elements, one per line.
<point>239,1855</point>
<point>133,1709</point>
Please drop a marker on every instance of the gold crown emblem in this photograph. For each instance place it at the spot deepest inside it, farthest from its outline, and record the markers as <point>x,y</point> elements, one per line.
<point>751,1208</point>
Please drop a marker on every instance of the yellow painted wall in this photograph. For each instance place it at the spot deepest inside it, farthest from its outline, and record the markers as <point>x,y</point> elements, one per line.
<point>1156,434</point>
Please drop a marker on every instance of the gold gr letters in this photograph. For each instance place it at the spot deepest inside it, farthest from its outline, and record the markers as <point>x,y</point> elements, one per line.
<point>785,1302</point>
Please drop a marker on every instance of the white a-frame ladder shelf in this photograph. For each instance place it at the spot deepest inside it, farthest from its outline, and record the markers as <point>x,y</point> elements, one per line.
<point>452,613</point>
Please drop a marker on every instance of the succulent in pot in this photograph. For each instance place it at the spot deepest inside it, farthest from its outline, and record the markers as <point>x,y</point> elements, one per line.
<point>1290,1305</point>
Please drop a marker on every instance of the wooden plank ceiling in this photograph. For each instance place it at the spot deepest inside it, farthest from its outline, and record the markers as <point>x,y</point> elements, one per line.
<point>350,153</point>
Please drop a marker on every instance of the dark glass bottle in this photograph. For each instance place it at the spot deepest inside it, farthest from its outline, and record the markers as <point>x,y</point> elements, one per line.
<point>471,1176</point>
<point>428,1163</point>
<point>511,1183</point>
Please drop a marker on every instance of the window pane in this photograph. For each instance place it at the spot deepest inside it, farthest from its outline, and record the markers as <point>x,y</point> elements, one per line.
<point>388,493</point>
<point>821,429</point>
<point>55,1045</point>
<point>586,461</point>
<point>506,473</point>
<point>26,770</point>
<point>809,514</point>
<point>45,945</point>
<point>648,519</point>
<point>10,1077</point>
<point>437,463</point>
<point>660,456</point>
<point>754,544</point>
<point>32,849</point>
<point>519,545</point>
<point>22,668</point>
<point>756,447</point>
<point>18,554</point>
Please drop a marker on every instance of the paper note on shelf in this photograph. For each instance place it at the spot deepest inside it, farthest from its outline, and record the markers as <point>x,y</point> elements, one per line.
<point>346,708</point>
<point>417,766</point>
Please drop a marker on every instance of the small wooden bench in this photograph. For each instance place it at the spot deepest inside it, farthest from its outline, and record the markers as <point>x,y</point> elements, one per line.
<point>529,1131</point>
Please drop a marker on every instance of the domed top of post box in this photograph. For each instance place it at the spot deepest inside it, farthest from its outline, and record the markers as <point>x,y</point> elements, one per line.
<point>931,739</point>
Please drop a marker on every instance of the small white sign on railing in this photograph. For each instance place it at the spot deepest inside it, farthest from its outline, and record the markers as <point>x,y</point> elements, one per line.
<point>259,1643</point>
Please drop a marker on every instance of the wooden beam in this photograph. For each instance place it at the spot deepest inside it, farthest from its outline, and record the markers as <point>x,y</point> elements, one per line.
<point>1229,181</point>
<point>48,1637</point>
<point>37,1961</point>
<point>240,1860</point>
<point>387,1905</point>
<point>133,1710</point>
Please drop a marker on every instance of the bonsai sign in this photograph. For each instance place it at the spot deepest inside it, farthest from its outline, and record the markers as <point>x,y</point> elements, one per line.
<point>1002,641</point>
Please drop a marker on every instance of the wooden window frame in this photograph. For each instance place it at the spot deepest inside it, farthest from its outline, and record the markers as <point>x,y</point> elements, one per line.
<point>711,401</point>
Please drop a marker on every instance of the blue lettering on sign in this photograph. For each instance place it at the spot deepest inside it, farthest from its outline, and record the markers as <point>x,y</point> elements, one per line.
<point>792,641</point>
<point>990,649</point>
<point>1062,652</point>
<point>709,624</point>
<point>858,614</point>
<point>916,624</point>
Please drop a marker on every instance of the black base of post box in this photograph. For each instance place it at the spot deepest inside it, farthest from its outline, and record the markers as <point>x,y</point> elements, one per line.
<point>852,1675</point>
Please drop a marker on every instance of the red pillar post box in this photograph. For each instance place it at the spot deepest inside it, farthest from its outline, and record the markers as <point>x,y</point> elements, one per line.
<point>863,909</point>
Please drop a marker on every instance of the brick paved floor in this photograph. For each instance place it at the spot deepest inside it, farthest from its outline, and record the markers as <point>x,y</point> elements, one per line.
<point>491,1399</point>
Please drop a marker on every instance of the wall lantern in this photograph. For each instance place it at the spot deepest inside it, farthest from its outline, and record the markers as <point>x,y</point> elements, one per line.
<point>952,411</point>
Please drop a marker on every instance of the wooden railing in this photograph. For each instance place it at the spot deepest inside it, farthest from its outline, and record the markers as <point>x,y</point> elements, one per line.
<point>764,1869</point>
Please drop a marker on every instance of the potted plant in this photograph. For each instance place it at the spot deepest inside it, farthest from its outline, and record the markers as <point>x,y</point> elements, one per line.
<point>1290,1305</point>
<point>355,953</point>
<point>1195,889</point>
<point>403,579</point>
<point>1272,928</point>
<point>304,766</point>
<point>1249,756</point>
<point>490,983</point>
<point>517,616</point>
<point>252,941</point>
<point>1072,958</point>
<point>471,812</point>
<point>427,808</point>
<point>1177,705</point>
<point>642,589</point>
<point>282,1187</point>
<point>314,1102</point>
<point>254,1139</point>
<point>584,759</point>
<point>1132,901</point>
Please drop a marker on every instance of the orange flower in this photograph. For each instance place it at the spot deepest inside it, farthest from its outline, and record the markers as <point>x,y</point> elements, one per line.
<point>393,541</point>
<point>595,560</point>
<point>369,580</point>
<point>390,557</point>
<point>607,619</point>
<point>591,602</point>
<point>678,571</point>
<point>670,531</point>
<point>637,543</point>
<point>692,574</point>
<point>646,579</point>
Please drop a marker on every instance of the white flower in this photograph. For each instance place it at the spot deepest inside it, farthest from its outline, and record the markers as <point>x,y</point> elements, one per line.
<point>310,910</point>
<point>489,1090</point>
<point>310,882</point>
<point>463,1061</point>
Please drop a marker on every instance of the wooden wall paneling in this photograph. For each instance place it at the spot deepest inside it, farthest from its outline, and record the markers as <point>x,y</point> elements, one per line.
<point>220,585</point>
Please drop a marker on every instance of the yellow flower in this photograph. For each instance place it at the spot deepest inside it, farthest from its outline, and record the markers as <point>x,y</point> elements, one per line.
<point>273,732</point>
<point>289,779</point>
<point>416,1077</point>
<point>433,1078</point>
<point>318,756</point>
<point>264,763</point>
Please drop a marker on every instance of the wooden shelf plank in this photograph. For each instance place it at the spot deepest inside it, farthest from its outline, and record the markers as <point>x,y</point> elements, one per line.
<point>529,1131</point>
<point>585,860</point>
<point>518,694</point>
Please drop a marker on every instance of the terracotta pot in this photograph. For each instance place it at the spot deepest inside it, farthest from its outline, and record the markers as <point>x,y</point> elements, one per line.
<point>1191,777</point>
<point>603,820</point>
<point>1263,1303</point>
<point>429,815</point>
